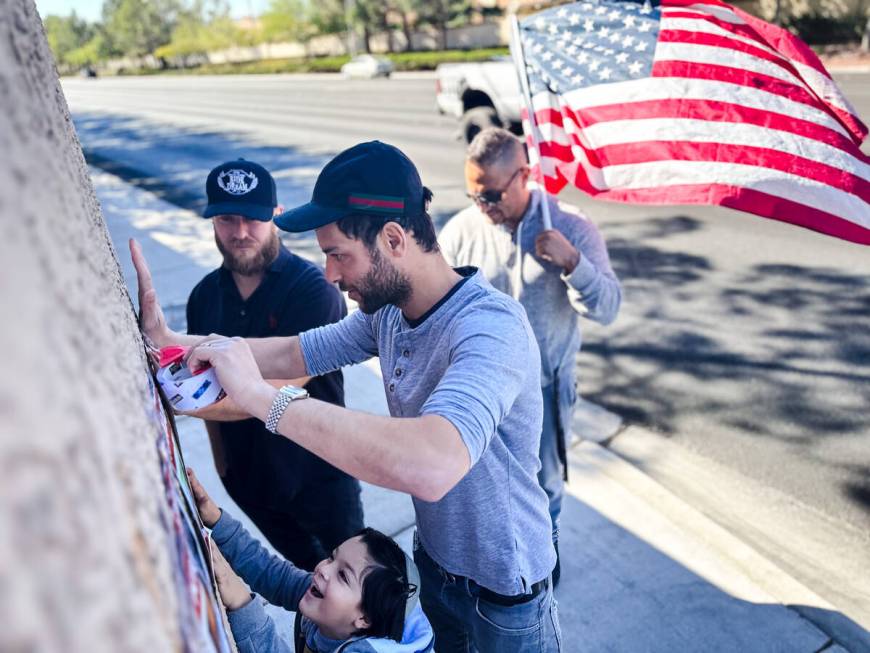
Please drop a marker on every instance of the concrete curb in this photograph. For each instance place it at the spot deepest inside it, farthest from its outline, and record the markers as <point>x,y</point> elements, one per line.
<point>751,576</point>
<point>653,544</point>
<point>811,549</point>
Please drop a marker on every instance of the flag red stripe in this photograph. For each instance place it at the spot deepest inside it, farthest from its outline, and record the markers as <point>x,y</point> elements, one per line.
<point>649,151</point>
<point>736,29</point>
<point>553,184</point>
<point>717,41</point>
<point>784,42</point>
<point>778,38</point>
<point>742,199</point>
<point>785,210</point>
<point>739,76</point>
<point>644,152</point>
<point>747,78</point>
<point>562,152</point>
<point>703,110</point>
<point>667,4</point>
<point>850,121</point>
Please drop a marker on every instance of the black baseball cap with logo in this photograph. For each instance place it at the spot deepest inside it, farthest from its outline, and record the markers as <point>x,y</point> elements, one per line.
<point>241,188</point>
<point>371,178</point>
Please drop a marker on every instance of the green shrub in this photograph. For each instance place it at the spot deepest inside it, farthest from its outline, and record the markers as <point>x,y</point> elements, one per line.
<point>429,60</point>
<point>401,61</point>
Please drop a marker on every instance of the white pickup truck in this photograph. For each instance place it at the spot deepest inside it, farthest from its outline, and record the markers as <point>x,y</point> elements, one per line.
<point>480,95</point>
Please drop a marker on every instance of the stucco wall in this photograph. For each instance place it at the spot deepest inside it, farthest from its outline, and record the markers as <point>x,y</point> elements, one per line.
<point>86,554</point>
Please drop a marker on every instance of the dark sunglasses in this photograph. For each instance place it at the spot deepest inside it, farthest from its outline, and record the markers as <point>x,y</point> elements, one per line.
<point>493,196</point>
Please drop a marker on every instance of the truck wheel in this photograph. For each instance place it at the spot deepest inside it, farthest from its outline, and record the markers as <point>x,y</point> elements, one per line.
<point>477,119</point>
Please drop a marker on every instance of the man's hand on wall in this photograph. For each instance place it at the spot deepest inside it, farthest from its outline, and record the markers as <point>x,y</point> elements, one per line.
<point>151,318</point>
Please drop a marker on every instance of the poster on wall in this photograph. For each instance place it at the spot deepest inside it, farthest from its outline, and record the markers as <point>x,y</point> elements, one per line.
<point>202,624</point>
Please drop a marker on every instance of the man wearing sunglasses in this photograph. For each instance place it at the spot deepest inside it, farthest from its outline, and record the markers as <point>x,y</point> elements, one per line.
<point>557,274</point>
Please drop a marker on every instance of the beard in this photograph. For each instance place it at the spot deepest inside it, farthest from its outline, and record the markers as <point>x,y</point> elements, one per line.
<point>382,285</point>
<point>251,264</point>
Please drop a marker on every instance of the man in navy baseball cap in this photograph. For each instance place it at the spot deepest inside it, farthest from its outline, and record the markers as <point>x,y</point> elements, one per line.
<point>370,178</point>
<point>241,188</point>
<point>370,198</point>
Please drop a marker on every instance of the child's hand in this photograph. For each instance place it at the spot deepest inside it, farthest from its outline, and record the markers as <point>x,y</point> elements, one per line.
<point>208,509</point>
<point>233,591</point>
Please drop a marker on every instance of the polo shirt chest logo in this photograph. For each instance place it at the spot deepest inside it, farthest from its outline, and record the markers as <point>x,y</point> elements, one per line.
<point>237,182</point>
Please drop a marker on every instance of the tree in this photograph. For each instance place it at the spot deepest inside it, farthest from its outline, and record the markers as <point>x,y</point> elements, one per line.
<point>443,14</point>
<point>138,27</point>
<point>204,27</point>
<point>65,35</point>
<point>371,15</point>
<point>407,13</point>
<point>287,20</point>
<point>328,17</point>
<point>90,53</point>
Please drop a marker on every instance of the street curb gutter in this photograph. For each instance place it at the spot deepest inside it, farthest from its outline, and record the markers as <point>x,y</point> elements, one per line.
<point>759,579</point>
<point>641,505</point>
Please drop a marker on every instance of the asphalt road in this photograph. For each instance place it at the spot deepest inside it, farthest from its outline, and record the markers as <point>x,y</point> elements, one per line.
<point>742,340</point>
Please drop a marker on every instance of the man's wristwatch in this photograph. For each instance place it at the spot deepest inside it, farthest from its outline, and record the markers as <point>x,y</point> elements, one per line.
<point>285,395</point>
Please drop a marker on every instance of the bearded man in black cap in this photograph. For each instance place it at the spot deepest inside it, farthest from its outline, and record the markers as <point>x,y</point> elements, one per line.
<point>304,506</point>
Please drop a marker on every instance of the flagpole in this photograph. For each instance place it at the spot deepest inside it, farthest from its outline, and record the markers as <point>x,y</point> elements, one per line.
<point>520,65</point>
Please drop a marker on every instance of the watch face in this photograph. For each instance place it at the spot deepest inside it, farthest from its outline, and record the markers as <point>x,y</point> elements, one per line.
<point>293,392</point>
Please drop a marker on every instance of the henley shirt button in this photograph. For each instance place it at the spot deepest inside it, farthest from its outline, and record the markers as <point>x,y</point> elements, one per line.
<point>242,312</point>
<point>392,387</point>
<point>398,371</point>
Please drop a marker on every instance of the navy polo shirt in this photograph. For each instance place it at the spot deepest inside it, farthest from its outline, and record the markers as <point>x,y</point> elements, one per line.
<point>294,296</point>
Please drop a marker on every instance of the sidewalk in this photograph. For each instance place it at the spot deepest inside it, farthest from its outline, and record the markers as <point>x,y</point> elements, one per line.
<point>641,569</point>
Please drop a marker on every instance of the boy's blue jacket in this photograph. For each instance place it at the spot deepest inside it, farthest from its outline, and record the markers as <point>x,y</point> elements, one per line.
<point>280,583</point>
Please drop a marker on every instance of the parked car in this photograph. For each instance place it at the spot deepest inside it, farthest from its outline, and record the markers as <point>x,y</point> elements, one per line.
<point>367,66</point>
<point>480,95</point>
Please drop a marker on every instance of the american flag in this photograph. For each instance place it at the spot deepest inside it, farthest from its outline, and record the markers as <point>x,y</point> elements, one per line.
<point>694,103</point>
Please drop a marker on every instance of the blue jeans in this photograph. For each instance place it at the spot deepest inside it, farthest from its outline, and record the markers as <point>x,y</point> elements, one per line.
<point>466,623</point>
<point>551,473</point>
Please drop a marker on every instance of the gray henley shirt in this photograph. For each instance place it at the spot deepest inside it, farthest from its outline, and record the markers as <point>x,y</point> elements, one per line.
<point>475,362</point>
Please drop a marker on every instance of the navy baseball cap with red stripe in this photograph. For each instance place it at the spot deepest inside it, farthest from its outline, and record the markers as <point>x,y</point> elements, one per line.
<point>372,177</point>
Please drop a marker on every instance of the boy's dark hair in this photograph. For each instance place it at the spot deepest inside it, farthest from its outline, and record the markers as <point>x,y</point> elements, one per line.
<point>367,226</point>
<point>385,588</point>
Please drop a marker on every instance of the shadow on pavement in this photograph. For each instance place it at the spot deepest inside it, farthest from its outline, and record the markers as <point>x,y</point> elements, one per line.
<point>620,593</point>
<point>172,162</point>
<point>792,367</point>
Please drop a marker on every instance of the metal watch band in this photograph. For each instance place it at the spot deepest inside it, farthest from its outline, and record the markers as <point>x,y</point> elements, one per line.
<point>285,395</point>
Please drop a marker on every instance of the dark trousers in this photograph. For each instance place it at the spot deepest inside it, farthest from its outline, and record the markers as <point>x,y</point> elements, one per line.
<point>466,622</point>
<point>306,529</point>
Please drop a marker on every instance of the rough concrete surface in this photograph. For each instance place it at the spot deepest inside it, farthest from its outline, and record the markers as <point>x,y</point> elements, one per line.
<point>85,554</point>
